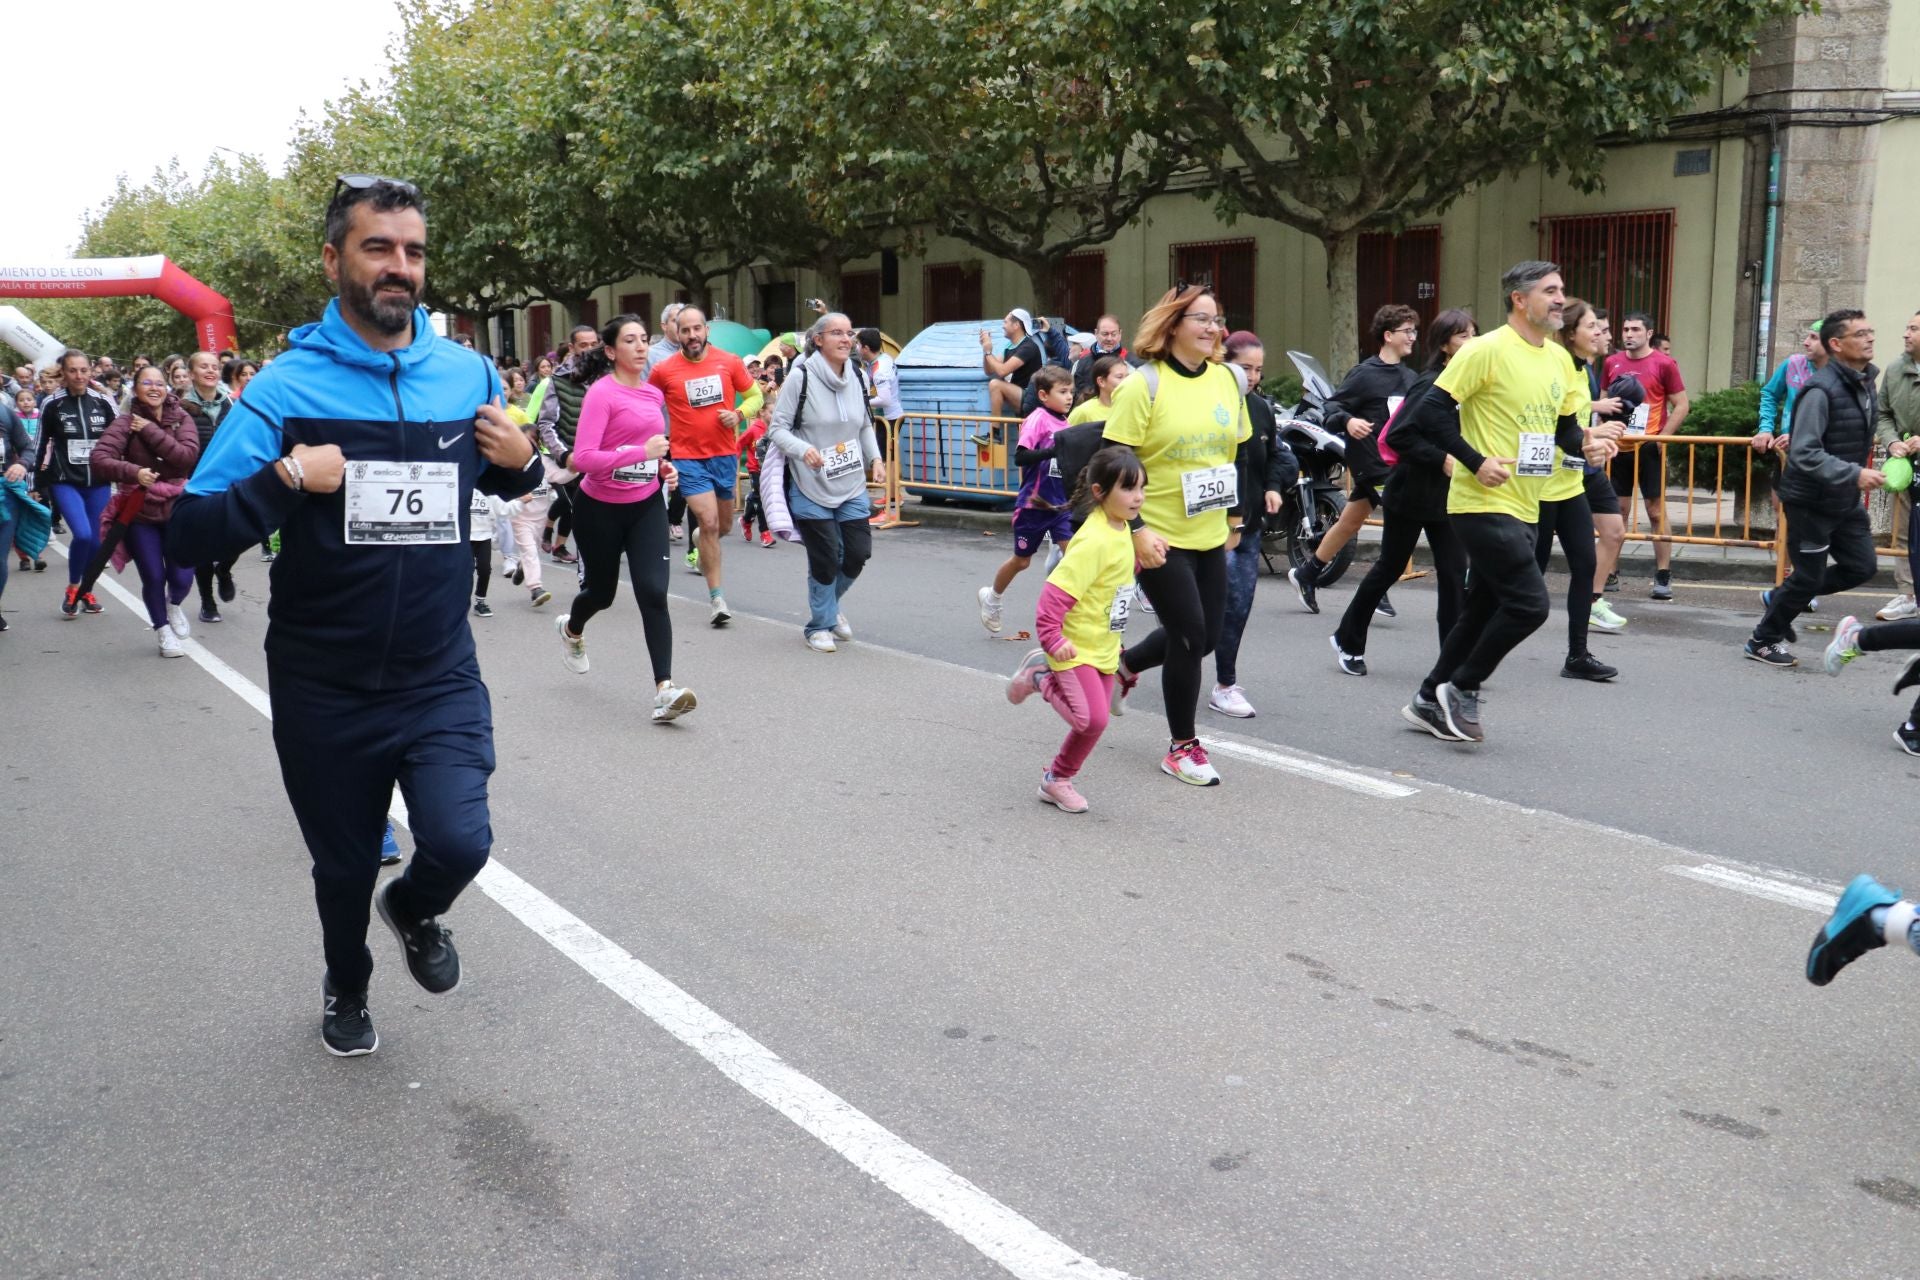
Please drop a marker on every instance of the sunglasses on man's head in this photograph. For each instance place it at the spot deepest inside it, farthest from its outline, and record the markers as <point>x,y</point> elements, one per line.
<point>368,181</point>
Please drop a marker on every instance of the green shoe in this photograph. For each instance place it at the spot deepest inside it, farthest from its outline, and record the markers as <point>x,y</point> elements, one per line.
<point>1603,618</point>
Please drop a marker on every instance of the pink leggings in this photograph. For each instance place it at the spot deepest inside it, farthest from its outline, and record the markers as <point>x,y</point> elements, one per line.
<point>1080,694</point>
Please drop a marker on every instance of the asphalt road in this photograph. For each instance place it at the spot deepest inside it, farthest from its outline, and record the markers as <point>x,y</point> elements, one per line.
<point>810,985</point>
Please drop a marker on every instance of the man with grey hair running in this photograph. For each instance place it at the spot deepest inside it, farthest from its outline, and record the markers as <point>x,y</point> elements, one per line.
<point>1520,404</point>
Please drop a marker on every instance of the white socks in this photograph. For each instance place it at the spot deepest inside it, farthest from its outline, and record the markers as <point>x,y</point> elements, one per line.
<point>1900,918</point>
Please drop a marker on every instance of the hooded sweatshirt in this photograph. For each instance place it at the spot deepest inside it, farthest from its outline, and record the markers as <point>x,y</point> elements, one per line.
<point>833,420</point>
<point>165,440</point>
<point>388,608</point>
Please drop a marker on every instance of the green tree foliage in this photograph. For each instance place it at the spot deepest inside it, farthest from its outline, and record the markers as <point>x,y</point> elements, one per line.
<point>1371,114</point>
<point>567,144</point>
<point>229,229</point>
<point>1011,126</point>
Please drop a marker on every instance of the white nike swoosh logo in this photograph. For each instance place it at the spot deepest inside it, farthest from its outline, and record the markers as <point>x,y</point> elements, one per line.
<point>444,442</point>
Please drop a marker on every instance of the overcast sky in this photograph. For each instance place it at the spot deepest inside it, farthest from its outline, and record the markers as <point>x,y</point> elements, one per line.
<point>126,86</point>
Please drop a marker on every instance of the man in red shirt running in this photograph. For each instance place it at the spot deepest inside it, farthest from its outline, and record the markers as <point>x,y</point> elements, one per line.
<point>701,384</point>
<point>1664,409</point>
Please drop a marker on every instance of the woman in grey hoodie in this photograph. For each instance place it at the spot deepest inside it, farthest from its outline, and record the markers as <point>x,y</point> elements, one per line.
<point>823,424</point>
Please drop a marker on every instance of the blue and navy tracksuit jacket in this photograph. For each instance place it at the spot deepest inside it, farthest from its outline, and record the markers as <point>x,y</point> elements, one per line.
<point>358,617</point>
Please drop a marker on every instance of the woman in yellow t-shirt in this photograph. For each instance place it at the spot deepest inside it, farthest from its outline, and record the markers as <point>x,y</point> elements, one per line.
<point>1083,609</point>
<point>1567,511</point>
<point>1184,413</point>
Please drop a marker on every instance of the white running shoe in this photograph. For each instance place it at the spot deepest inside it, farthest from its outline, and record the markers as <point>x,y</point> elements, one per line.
<point>990,610</point>
<point>1190,765</point>
<point>672,702</point>
<point>1231,701</point>
<point>1897,608</point>
<point>821,641</point>
<point>842,629</point>
<point>673,532</point>
<point>573,649</point>
<point>170,646</point>
<point>177,621</point>
<point>721,615</point>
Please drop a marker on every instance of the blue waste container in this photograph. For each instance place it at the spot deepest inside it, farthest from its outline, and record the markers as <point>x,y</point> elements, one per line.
<point>940,373</point>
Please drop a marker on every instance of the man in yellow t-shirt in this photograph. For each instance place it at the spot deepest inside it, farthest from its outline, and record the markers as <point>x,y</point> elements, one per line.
<point>1519,397</point>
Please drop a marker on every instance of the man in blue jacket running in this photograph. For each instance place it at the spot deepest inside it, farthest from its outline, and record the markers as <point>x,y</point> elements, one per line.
<point>363,445</point>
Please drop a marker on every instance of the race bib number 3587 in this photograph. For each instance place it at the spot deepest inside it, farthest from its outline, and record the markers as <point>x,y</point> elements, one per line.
<point>402,503</point>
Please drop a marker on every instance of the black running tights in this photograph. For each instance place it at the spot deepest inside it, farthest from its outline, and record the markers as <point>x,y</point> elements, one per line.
<point>1189,596</point>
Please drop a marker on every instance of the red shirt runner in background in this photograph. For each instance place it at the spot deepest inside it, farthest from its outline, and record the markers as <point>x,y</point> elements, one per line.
<point>1658,375</point>
<point>696,392</point>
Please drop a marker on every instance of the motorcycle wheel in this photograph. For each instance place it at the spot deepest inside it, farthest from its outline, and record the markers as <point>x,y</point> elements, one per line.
<point>1327,507</point>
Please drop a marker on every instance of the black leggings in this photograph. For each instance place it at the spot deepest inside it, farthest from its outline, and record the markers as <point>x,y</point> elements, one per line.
<point>560,514</point>
<point>676,508</point>
<point>482,565</point>
<point>753,511</point>
<point>637,530</point>
<point>1189,596</point>
<point>1398,535</point>
<point>204,575</point>
<point>1506,600</point>
<point>1571,520</point>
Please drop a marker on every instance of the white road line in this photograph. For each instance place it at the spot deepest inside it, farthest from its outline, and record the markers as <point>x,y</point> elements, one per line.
<point>1805,897</point>
<point>1309,767</point>
<point>929,1186</point>
<point>1315,767</point>
<point>1010,1239</point>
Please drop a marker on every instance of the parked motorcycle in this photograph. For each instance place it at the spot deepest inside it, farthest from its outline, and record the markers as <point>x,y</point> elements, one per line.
<point>1319,496</point>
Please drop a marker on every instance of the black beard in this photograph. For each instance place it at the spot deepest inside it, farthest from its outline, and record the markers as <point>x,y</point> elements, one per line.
<point>695,349</point>
<point>386,317</point>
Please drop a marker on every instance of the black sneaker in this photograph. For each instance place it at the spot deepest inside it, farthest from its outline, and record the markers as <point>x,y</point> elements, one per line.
<point>1908,739</point>
<point>1302,581</point>
<point>1424,713</point>
<point>210,614</point>
<point>428,944</point>
<point>224,584</point>
<point>3,624</point>
<point>1587,667</point>
<point>1661,591</point>
<point>518,576</point>
<point>1385,608</point>
<point>1774,655</point>
<point>1613,582</point>
<point>481,609</point>
<point>346,1026</point>
<point>1462,710</point>
<point>1353,664</point>
<point>39,566</point>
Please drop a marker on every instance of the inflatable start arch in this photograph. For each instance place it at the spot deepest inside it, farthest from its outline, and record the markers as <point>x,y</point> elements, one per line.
<point>153,277</point>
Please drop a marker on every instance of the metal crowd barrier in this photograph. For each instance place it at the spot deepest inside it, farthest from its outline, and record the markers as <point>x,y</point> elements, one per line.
<point>1708,483</point>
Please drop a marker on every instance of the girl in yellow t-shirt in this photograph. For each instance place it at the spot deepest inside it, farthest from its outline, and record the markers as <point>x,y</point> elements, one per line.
<point>1083,610</point>
<point>1108,373</point>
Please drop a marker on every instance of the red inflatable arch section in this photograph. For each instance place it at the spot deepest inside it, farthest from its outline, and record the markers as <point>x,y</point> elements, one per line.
<point>153,277</point>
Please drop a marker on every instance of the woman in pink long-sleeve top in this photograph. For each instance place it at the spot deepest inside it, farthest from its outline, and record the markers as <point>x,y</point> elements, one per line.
<point>153,445</point>
<point>620,452</point>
